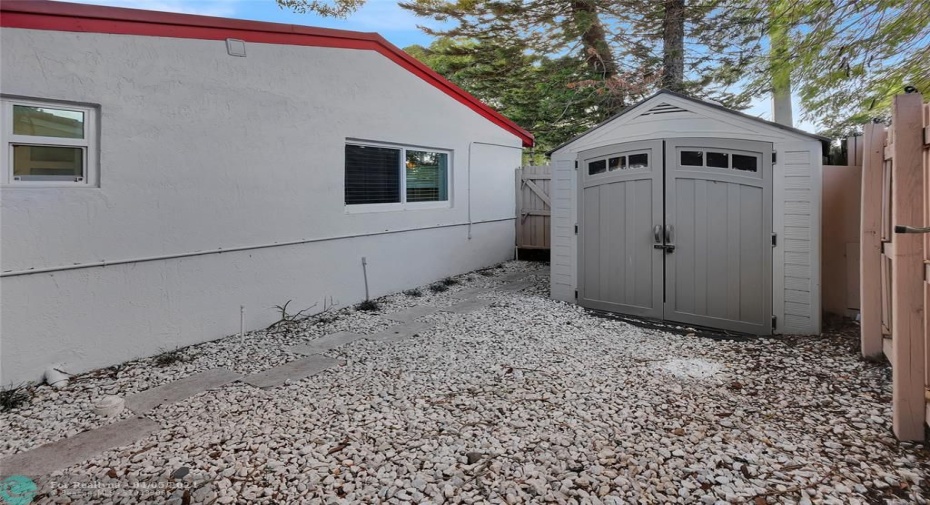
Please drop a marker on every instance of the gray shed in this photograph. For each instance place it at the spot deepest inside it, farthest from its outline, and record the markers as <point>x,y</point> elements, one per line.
<point>683,210</point>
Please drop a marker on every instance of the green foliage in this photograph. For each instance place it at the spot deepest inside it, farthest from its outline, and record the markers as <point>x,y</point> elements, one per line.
<point>13,397</point>
<point>336,8</point>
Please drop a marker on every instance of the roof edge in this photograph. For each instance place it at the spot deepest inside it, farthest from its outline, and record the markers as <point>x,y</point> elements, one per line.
<point>663,91</point>
<point>70,17</point>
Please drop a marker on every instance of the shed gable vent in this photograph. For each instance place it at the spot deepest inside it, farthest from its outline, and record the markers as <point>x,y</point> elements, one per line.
<point>664,108</point>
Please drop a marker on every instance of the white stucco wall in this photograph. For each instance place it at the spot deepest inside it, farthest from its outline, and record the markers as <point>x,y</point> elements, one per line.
<point>796,199</point>
<point>200,150</point>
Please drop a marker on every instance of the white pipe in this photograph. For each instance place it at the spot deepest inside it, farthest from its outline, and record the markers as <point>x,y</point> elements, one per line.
<point>241,320</point>
<point>104,263</point>
<point>365,274</point>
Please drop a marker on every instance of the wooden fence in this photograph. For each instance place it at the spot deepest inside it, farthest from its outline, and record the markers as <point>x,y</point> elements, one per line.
<point>894,292</point>
<point>534,208</point>
<point>839,264</point>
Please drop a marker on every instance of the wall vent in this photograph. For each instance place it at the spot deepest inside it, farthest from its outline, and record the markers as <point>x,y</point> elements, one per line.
<point>664,108</point>
<point>235,47</point>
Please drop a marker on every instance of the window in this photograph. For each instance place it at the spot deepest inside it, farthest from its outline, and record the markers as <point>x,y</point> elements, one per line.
<point>395,175</point>
<point>718,160</point>
<point>692,158</point>
<point>639,160</point>
<point>745,163</point>
<point>597,167</point>
<point>616,163</point>
<point>47,144</point>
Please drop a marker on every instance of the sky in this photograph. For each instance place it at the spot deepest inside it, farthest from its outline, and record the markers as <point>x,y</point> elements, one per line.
<point>398,26</point>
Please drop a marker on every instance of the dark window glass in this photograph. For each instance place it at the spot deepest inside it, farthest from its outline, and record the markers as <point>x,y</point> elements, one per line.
<point>692,158</point>
<point>616,163</point>
<point>597,167</point>
<point>718,160</point>
<point>372,175</point>
<point>639,160</point>
<point>745,163</point>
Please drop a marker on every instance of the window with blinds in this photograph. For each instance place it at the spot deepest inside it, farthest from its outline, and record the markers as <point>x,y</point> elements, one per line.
<point>372,175</point>
<point>395,175</point>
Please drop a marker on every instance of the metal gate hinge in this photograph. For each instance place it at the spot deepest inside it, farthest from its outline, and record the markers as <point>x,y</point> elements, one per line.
<point>773,157</point>
<point>576,229</point>
<point>774,239</point>
<point>774,321</point>
<point>576,164</point>
<point>576,294</point>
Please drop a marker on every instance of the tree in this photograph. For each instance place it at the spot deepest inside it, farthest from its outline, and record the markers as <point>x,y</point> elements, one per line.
<point>847,58</point>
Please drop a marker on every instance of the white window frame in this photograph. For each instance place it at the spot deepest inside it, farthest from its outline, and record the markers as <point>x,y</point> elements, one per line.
<point>9,139</point>
<point>403,204</point>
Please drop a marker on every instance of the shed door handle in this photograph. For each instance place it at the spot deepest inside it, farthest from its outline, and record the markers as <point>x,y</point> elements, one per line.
<point>657,233</point>
<point>669,238</point>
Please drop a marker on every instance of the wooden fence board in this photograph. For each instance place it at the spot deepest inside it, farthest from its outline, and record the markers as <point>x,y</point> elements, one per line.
<point>907,271</point>
<point>534,207</point>
<point>870,245</point>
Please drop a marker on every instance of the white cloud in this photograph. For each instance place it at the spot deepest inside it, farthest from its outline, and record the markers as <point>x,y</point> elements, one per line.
<point>222,8</point>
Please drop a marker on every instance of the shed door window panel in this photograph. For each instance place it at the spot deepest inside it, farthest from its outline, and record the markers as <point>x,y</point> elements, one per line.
<point>45,143</point>
<point>718,159</point>
<point>613,163</point>
<point>395,175</point>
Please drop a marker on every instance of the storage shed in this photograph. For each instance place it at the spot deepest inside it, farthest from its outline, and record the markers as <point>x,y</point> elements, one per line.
<point>169,179</point>
<point>686,211</point>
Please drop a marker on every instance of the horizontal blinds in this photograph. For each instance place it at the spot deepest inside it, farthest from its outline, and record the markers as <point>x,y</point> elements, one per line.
<point>372,175</point>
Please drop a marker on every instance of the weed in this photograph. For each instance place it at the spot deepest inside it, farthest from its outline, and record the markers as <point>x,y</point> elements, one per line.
<point>14,397</point>
<point>449,281</point>
<point>368,306</point>
<point>167,358</point>
<point>438,288</point>
<point>415,292</point>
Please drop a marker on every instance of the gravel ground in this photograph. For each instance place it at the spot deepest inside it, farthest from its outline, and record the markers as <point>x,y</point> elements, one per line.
<point>528,400</point>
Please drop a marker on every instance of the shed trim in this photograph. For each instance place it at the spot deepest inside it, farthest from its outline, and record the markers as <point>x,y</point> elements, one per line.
<point>824,140</point>
<point>68,17</point>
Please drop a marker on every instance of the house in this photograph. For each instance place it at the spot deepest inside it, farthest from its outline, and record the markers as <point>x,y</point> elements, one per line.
<point>683,210</point>
<point>165,174</point>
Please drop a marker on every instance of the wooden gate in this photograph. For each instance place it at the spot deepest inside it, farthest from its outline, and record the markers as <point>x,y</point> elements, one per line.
<point>534,208</point>
<point>895,257</point>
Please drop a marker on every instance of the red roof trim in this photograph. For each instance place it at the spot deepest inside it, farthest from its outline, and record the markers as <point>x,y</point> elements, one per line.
<point>67,17</point>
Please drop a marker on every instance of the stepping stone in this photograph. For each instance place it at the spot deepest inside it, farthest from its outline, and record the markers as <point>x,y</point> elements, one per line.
<point>178,390</point>
<point>467,306</point>
<point>469,293</point>
<point>516,286</point>
<point>410,315</point>
<point>400,332</point>
<point>293,371</point>
<point>81,447</point>
<point>326,343</point>
<point>515,276</point>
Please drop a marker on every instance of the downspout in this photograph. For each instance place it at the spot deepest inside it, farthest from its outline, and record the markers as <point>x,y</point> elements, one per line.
<point>468,176</point>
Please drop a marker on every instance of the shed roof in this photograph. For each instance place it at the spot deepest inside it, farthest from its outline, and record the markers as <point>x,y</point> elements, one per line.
<point>68,17</point>
<point>713,105</point>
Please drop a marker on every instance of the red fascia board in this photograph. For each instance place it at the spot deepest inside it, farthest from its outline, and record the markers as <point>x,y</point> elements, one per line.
<point>67,17</point>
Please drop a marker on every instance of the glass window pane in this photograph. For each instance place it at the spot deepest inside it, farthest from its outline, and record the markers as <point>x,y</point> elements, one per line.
<point>692,158</point>
<point>372,175</point>
<point>597,167</point>
<point>614,163</point>
<point>43,163</point>
<point>427,176</point>
<point>745,163</point>
<point>718,160</point>
<point>639,160</point>
<point>46,122</point>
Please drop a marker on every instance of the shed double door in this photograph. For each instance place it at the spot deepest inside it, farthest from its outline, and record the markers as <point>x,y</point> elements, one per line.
<point>680,230</point>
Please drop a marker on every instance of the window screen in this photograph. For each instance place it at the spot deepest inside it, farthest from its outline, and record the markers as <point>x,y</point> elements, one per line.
<point>427,176</point>
<point>372,175</point>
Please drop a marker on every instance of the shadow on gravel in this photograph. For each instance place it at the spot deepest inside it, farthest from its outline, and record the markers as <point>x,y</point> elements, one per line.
<point>675,328</point>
